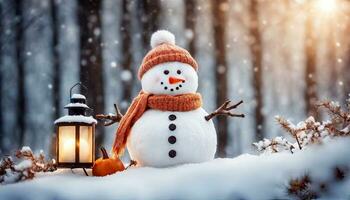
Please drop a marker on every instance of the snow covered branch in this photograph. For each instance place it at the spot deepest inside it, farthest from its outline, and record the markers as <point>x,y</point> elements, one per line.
<point>28,164</point>
<point>307,187</point>
<point>308,132</point>
<point>311,131</point>
<point>290,128</point>
<point>111,118</point>
<point>273,146</point>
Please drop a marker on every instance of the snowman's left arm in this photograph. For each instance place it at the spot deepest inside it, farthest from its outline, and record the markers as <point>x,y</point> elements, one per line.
<point>225,109</point>
<point>110,118</point>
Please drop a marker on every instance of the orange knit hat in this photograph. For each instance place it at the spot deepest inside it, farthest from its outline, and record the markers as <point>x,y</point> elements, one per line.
<point>164,50</point>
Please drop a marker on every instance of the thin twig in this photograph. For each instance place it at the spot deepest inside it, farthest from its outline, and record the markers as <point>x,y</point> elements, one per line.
<point>286,125</point>
<point>225,109</point>
<point>110,118</point>
<point>132,163</point>
<point>335,110</point>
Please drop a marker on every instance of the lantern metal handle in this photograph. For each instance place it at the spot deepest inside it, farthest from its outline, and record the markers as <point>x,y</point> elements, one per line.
<point>86,91</point>
<point>81,86</point>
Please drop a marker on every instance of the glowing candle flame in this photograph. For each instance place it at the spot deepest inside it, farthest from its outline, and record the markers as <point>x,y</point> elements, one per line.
<point>68,150</point>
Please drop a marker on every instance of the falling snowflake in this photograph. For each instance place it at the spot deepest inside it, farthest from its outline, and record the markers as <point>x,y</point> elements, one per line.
<point>83,62</point>
<point>97,31</point>
<point>126,75</point>
<point>221,69</point>
<point>189,34</point>
<point>113,64</point>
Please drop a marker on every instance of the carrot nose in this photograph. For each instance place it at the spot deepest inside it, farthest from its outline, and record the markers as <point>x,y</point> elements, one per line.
<point>174,80</point>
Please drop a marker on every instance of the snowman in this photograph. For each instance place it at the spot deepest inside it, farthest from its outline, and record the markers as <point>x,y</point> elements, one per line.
<point>165,124</point>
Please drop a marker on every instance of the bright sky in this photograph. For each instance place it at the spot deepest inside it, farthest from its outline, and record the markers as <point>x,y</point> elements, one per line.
<point>326,6</point>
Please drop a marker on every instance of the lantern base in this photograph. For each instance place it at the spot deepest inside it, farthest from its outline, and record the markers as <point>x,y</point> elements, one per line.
<point>83,170</point>
<point>74,165</point>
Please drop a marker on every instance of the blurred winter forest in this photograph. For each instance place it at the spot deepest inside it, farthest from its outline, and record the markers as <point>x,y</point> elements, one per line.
<point>279,56</point>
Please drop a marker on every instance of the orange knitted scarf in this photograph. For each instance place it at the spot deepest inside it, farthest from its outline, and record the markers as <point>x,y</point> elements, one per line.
<point>142,102</point>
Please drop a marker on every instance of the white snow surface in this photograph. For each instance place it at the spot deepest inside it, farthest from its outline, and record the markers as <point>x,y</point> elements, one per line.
<point>26,149</point>
<point>161,37</point>
<point>77,118</point>
<point>78,96</point>
<point>25,164</point>
<point>76,105</point>
<point>244,177</point>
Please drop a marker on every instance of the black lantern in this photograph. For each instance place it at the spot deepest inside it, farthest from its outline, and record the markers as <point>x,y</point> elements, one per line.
<point>75,146</point>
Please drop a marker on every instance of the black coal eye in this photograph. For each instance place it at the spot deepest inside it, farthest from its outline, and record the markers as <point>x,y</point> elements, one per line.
<point>178,72</point>
<point>166,72</point>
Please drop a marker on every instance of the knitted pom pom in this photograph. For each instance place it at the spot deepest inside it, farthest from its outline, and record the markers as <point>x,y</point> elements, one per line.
<point>162,36</point>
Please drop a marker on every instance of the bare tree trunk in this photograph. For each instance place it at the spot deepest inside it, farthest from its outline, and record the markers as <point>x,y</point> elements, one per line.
<point>219,12</point>
<point>126,57</point>
<point>346,72</point>
<point>310,94</point>
<point>2,134</point>
<point>91,57</point>
<point>286,53</point>
<point>21,105</point>
<point>346,75</point>
<point>190,23</point>
<point>56,68</point>
<point>55,59</point>
<point>332,61</point>
<point>149,16</point>
<point>256,57</point>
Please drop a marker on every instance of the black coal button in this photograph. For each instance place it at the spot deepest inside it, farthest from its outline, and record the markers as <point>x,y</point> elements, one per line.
<point>172,153</point>
<point>172,127</point>
<point>172,117</point>
<point>172,139</point>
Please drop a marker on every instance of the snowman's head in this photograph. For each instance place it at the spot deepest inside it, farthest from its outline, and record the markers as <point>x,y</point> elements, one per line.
<point>168,68</point>
<point>170,78</point>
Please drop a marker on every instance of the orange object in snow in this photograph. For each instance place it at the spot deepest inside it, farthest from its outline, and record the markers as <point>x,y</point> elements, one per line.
<point>106,166</point>
<point>174,80</point>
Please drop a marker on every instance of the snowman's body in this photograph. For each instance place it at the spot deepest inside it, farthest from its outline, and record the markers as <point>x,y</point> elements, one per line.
<point>165,138</point>
<point>162,138</point>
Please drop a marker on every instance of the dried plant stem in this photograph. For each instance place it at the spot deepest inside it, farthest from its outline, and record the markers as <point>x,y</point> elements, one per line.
<point>224,109</point>
<point>111,118</point>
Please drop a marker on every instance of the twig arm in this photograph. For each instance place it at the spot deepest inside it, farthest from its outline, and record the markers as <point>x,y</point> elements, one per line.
<point>225,109</point>
<point>132,163</point>
<point>110,118</point>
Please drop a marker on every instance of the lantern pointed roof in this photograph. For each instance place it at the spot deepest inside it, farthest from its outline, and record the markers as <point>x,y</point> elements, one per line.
<point>77,101</point>
<point>77,111</point>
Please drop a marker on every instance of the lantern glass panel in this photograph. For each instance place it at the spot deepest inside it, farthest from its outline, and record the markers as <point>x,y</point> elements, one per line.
<point>66,144</point>
<point>85,140</point>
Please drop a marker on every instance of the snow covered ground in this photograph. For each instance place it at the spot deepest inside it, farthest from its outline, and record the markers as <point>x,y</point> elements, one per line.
<point>244,177</point>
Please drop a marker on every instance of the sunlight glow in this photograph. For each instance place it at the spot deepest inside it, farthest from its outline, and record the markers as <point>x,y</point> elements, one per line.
<point>326,6</point>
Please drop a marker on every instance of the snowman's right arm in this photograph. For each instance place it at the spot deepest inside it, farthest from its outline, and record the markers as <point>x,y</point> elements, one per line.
<point>110,118</point>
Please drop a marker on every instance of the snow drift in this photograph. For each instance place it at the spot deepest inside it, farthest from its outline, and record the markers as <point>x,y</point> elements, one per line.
<point>244,177</point>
